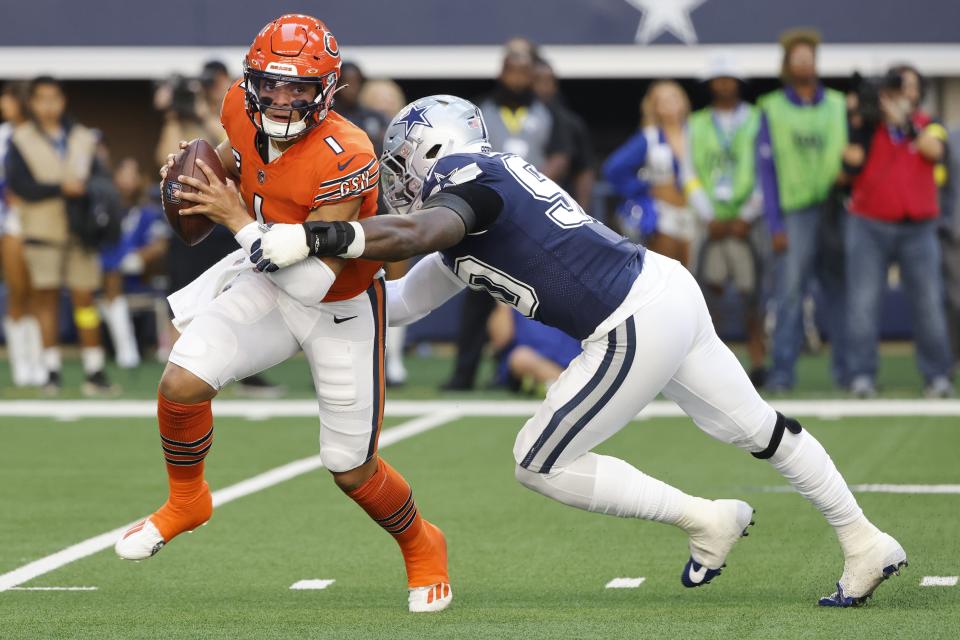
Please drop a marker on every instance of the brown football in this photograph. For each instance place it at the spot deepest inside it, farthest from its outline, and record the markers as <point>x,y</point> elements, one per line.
<point>190,229</point>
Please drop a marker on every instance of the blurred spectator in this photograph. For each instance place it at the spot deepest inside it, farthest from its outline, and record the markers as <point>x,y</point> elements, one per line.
<point>143,244</point>
<point>581,175</point>
<point>20,327</point>
<point>383,96</point>
<point>191,109</point>
<point>215,79</point>
<point>348,105</point>
<point>893,209</point>
<point>517,122</point>
<point>49,166</point>
<point>521,45</point>
<point>646,172</point>
<point>531,355</point>
<point>724,191</point>
<point>803,132</point>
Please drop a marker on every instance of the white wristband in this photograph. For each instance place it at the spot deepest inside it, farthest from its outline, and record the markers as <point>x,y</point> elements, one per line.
<point>248,235</point>
<point>355,249</point>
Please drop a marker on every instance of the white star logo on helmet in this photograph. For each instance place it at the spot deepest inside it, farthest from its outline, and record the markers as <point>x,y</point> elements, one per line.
<point>414,117</point>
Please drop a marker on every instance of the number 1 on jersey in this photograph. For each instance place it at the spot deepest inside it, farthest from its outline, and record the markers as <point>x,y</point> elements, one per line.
<point>258,207</point>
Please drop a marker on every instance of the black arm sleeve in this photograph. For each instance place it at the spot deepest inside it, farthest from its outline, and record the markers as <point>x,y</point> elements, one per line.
<point>478,206</point>
<point>21,181</point>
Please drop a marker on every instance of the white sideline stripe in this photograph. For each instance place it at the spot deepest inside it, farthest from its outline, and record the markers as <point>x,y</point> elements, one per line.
<point>243,488</point>
<point>52,589</point>
<point>625,583</point>
<point>264,409</point>
<point>319,583</point>
<point>939,581</point>
<point>881,488</point>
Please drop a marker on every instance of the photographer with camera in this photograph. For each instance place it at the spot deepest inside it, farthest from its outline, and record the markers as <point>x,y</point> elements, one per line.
<point>51,175</point>
<point>191,108</point>
<point>893,218</point>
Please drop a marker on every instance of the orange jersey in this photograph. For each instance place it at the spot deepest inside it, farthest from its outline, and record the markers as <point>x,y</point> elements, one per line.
<point>334,162</point>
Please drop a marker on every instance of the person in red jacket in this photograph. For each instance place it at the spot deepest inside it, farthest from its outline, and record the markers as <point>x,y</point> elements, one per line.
<point>893,218</point>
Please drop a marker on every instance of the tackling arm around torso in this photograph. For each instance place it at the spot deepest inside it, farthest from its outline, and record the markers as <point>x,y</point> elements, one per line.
<point>398,237</point>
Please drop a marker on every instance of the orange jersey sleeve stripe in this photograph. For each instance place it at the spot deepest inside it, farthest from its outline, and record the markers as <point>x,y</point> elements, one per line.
<point>347,191</point>
<point>350,175</point>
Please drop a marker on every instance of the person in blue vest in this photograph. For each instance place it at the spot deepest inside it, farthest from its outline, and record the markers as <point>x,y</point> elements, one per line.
<point>494,223</point>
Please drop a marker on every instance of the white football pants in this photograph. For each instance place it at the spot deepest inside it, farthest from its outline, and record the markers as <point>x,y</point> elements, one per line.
<point>253,325</point>
<point>668,345</point>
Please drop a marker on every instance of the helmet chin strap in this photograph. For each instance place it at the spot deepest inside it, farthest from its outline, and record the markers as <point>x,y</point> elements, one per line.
<point>283,130</point>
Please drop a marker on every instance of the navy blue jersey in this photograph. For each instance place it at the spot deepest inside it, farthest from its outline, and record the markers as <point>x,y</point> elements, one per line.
<point>542,254</point>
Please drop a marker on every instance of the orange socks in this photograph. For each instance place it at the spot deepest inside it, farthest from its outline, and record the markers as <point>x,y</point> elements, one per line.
<point>388,499</point>
<point>186,434</point>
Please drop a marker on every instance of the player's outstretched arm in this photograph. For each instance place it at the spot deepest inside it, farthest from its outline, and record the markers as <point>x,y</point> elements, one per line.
<point>444,220</point>
<point>388,237</point>
<point>398,237</point>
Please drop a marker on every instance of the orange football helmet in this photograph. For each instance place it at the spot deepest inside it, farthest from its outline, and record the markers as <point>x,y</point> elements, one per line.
<point>288,56</point>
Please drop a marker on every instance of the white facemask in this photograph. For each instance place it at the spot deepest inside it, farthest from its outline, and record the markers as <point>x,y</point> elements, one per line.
<point>276,129</point>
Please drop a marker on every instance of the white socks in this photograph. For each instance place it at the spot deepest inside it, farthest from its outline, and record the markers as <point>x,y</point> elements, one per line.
<point>25,350</point>
<point>117,314</point>
<point>396,372</point>
<point>803,461</point>
<point>805,464</point>
<point>604,484</point>
<point>34,341</point>
<point>93,359</point>
<point>17,351</point>
<point>856,535</point>
<point>51,358</point>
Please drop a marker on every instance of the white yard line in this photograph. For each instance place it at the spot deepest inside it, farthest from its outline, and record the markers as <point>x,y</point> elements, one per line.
<point>68,410</point>
<point>52,589</point>
<point>223,496</point>
<point>625,583</point>
<point>881,488</point>
<point>319,583</point>
<point>939,581</point>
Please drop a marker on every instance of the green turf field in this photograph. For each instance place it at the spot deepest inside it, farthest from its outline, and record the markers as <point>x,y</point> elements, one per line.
<point>523,566</point>
<point>898,378</point>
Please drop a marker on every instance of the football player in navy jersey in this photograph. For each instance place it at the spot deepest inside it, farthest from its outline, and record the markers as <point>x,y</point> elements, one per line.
<point>492,222</point>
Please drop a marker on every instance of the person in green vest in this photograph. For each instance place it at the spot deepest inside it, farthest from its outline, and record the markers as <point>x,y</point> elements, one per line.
<point>721,184</point>
<point>803,132</point>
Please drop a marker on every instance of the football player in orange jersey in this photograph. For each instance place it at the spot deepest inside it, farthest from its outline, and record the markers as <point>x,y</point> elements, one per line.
<point>295,160</point>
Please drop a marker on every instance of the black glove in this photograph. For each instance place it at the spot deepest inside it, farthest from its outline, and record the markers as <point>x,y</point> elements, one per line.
<point>328,238</point>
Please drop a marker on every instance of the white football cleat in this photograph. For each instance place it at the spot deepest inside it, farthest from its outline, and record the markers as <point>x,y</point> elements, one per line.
<point>710,545</point>
<point>140,541</point>
<point>865,569</point>
<point>435,597</point>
